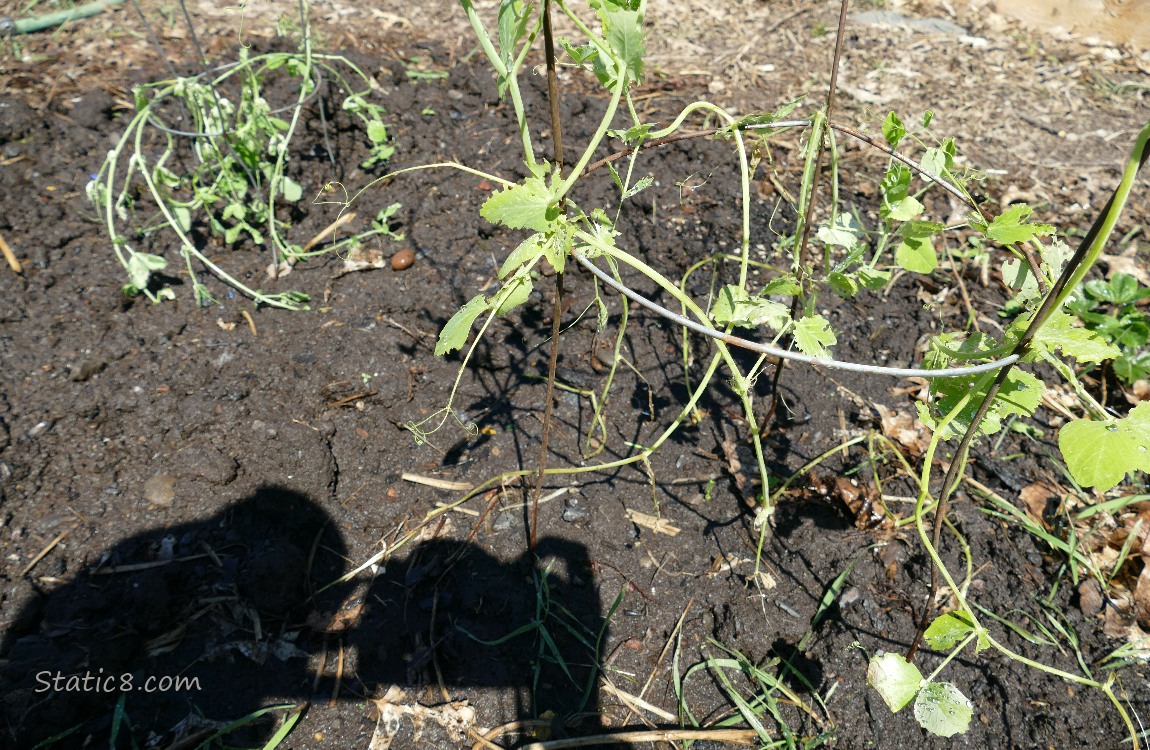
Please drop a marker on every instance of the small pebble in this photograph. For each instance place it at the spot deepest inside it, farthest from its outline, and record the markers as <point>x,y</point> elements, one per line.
<point>573,512</point>
<point>503,522</point>
<point>403,259</point>
<point>160,490</point>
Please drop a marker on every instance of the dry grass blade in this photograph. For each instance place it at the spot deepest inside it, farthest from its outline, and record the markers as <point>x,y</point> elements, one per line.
<point>440,484</point>
<point>42,553</point>
<point>13,261</point>
<point>737,736</point>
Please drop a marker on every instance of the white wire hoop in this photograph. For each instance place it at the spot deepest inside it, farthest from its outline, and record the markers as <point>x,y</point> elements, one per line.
<point>774,351</point>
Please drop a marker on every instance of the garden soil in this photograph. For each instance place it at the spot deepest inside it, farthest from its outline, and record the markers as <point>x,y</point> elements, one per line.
<point>185,491</point>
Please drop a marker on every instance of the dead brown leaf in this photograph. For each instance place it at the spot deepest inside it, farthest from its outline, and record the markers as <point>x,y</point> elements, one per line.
<point>863,503</point>
<point>1041,500</point>
<point>906,430</point>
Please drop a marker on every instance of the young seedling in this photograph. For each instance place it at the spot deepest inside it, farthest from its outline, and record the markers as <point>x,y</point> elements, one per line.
<point>239,148</point>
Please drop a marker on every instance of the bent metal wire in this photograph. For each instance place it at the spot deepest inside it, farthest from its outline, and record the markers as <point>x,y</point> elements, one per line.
<point>774,351</point>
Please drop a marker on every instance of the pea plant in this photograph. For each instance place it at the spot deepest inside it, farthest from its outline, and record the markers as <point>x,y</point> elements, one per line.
<point>976,380</point>
<point>223,172</point>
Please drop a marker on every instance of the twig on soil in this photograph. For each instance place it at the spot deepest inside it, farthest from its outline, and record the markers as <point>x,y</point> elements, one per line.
<point>135,567</point>
<point>251,323</point>
<point>636,704</point>
<point>327,231</point>
<point>13,261</point>
<point>47,548</point>
<point>662,654</point>
<point>658,525</point>
<point>338,675</point>
<point>440,484</point>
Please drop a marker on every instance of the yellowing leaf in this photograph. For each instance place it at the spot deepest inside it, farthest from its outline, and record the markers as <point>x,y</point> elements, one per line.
<point>895,679</point>
<point>735,307</point>
<point>1083,344</point>
<point>514,293</point>
<point>528,250</point>
<point>813,336</point>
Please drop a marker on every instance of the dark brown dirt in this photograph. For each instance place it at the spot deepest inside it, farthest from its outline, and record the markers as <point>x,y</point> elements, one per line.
<point>286,454</point>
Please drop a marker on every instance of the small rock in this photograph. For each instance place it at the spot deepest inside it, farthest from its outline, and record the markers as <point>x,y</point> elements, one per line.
<point>403,259</point>
<point>85,370</point>
<point>39,429</point>
<point>503,522</point>
<point>160,490</point>
<point>573,512</point>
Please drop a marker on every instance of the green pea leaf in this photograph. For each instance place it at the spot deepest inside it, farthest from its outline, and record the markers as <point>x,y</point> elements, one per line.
<point>377,132</point>
<point>455,332</point>
<point>183,217</point>
<point>529,205</point>
<point>813,336</point>
<point>904,209</point>
<point>1101,454</point>
<point>625,35</point>
<point>947,630</point>
<point>844,232</point>
<point>735,307</point>
<point>893,130</point>
<point>784,284</point>
<point>1086,346</point>
<point>1010,226</point>
<point>943,710</point>
<point>843,285</point>
<point>291,190</point>
<point>140,267</point>
<point>873,279</point>
<point>916,255</point>
<point>895,679</point>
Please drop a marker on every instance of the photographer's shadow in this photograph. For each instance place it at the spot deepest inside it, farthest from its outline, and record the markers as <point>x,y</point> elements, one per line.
<point>217,618</point>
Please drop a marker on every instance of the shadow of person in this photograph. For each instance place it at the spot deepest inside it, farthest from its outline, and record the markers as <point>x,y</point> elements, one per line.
<point>211,620</point>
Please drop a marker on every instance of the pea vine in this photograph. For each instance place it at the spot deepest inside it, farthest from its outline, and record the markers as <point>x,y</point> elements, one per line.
<point>977,381</point>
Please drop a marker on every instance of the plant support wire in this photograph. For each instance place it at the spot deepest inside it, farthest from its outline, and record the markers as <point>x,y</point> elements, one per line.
<point>773,351</point>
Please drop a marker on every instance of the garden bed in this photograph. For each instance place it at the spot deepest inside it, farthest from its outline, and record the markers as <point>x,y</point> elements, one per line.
<point>181,483</point>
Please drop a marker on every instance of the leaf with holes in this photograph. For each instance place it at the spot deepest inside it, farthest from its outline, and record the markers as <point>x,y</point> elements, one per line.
<point>1086,346</point>
<point>455,332</point>
<point>529,205</point>
<point>734,306</point>
<point>813,336</point>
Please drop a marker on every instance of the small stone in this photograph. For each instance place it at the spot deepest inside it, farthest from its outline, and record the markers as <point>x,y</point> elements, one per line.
<point>160,490</point>
<point>39,429</point>
<point>403,259</point>
<point>503,522</point>
<point>573,512</point>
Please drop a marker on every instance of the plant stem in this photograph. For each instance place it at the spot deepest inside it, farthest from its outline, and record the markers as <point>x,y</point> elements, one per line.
<point>557,311</point>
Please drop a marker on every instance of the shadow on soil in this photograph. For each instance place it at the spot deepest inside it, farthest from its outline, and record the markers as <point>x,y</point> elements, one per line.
<point>234,606</point>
